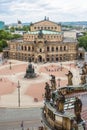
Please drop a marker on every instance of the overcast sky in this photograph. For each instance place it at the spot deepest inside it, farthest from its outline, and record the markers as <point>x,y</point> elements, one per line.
<point>35,10</point>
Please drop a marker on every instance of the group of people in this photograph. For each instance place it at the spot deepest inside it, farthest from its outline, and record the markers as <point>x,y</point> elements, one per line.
<point>53,69</point>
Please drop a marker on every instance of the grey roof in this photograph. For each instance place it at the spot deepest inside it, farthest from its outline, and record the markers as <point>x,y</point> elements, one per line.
<point>70,40</point>
<point>81,49</point>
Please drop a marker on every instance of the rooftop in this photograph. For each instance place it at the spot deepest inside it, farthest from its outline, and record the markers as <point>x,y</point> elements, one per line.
<point>69,39</point>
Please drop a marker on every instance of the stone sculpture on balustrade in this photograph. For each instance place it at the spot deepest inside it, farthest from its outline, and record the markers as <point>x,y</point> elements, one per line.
<point>69,76</point>
<point>53,82</point>
<point>47,91</point>
<point>60,102</point>
<point>78,109</point>
<point>83,76</point>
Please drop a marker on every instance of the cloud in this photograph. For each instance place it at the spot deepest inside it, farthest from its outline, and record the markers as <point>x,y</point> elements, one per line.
<point>33,10</point>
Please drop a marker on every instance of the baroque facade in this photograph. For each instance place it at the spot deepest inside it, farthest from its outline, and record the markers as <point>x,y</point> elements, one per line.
<point>44,42</point>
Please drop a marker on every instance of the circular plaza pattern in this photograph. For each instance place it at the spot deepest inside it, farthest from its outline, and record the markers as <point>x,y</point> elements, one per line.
<point>31,90</point>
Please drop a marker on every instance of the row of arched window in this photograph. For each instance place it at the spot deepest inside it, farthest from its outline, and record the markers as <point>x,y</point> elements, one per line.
<point>60,48</point>
<point>28,48</point>
<point>45,28</point>
<point>26,38</point>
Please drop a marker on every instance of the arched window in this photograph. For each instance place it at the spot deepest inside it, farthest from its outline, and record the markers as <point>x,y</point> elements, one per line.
<point>22,48</point>
<point>32,48</point>
<point>52,48</point>
<point>48,49</point>
<point>64,48</point>
<point>61,48</point>
<point>56,48</point>
<point>29,48</point>
<point>40,50</point>
<point>25,48</point>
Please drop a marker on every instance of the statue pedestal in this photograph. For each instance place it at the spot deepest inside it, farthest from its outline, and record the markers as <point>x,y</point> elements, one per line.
<point>30,72</point>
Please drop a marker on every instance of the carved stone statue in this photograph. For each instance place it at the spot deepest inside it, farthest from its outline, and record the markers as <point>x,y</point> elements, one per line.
<point>30,72</point>
<point>53,82</point>
<point>70,76</point>
<point>47,91</point>
<point>84,68</point>
<point>78,109</point>
<point>60,102</point>
<point>83,77</point>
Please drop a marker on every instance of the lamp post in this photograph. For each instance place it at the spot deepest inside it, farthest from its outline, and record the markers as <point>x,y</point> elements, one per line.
<point>10,65</point>
<point>59,82</point>
<point>61,66</point>
<point>18,93</point>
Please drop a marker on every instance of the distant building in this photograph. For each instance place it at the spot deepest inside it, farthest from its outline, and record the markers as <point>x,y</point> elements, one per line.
<point>70,33</point>
<point>2,25</point>
<point>44,43</point>
<point>79,34</point>
<point>19,24</point>
<point>16,25</point>
<point>19,32</point>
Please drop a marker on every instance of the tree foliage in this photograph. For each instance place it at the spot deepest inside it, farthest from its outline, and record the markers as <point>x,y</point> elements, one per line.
<point>4,36</point>
<point>24,28</point>
<point>83,42</point>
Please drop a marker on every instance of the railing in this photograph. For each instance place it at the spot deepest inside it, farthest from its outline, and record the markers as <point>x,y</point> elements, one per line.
<point>44,120</point>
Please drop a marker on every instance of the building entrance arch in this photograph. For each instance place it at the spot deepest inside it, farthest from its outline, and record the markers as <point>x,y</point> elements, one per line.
<point>40,59</point>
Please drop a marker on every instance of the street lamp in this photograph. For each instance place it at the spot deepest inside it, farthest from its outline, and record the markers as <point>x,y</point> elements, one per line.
<point>59,82</point>
<point>18,93</point>
<point>10,65</point>
<point>61,66</point>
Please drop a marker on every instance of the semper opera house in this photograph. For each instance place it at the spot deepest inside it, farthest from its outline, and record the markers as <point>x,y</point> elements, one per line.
<point>44,42</point>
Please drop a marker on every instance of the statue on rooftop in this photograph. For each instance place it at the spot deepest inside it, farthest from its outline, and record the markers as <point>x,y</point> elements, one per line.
<point>83,77</point>
<point>53,82</point>
<point>84,68</point>
<point>60,102</point>
<point>70,76</point>
<point>47,91</point>
<point>78,109</point>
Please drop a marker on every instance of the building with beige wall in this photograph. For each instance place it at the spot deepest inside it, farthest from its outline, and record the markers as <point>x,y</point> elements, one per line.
<point>44,42</point>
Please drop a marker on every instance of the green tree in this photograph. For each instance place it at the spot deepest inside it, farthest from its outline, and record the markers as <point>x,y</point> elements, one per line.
<point>83,42</point>
<point>12,29</point>
<point>16,36</point>
<point>4,36</point>
<point>26,28</point>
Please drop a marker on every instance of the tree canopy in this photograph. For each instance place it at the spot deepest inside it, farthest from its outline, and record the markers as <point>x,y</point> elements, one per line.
<point>4,36</point>
<point>24,28</point>
<point>83,41</point>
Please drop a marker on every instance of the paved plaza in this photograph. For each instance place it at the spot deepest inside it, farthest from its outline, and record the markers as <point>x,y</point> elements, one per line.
<point>31,90</point>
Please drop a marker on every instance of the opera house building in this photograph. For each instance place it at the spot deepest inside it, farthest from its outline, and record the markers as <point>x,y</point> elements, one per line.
<point>44,42</point>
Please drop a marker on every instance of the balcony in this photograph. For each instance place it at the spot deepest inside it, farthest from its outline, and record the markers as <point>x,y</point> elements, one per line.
<point>45,121</point>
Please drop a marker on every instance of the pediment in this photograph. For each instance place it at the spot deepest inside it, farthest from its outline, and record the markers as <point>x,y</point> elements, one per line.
<point>45,23</point>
